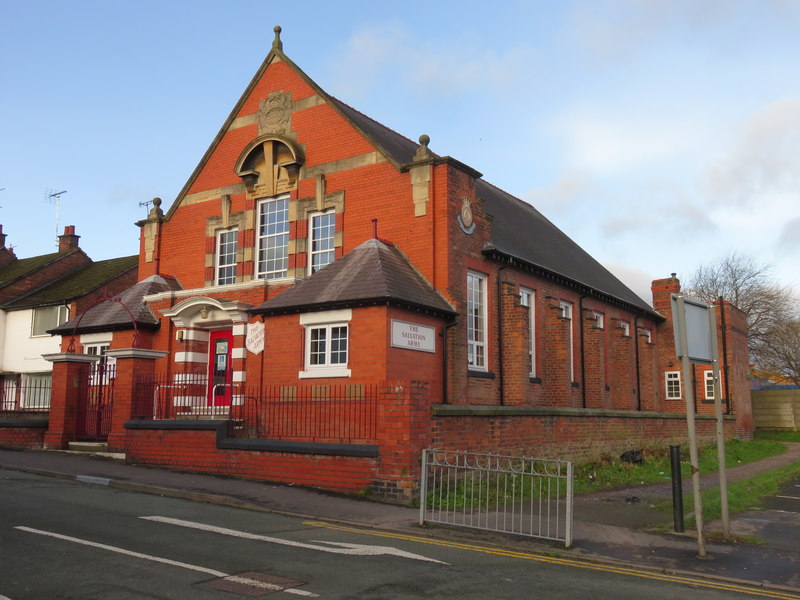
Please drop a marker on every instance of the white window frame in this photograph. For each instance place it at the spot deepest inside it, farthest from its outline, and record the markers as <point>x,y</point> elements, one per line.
<point>272,241</point>
<point>671,378</point>
<point>325,321</point>
<point>708,380</point>
<point>312,240</point>
<point>36,394</point>
<point>566,313</point>
<point>648,335</point>
<point>110,362</point>
<point>61,314</point>
<point>477,326</point>
<point>599,319</point>
<point>219,267</point>
<point>626,328</point>
<point>527,298</point>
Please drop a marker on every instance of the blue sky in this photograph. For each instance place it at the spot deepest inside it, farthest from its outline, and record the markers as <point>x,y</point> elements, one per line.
<point>658,134</point>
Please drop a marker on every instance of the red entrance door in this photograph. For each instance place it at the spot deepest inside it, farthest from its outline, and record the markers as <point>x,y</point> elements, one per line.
<point>219,368</point>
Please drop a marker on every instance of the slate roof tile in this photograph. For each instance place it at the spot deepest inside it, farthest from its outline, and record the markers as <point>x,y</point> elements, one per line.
<point>372,273</point>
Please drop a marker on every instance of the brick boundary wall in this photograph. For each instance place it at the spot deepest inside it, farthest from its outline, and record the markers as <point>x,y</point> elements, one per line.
<point>23,434</point>
<point>580,435</point>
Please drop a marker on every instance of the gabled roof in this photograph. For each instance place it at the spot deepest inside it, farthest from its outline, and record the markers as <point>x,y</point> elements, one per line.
<point>373,274</point>
<point>519,232</point>
<point>111,314</point>
<point>77,283</point>
<point>522,233</point>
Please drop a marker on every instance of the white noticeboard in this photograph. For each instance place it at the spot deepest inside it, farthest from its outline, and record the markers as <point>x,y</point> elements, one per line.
<point>698,330</point>
<point>413,336</point>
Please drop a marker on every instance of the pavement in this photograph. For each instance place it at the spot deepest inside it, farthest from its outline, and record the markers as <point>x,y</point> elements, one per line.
<point>609,527</point>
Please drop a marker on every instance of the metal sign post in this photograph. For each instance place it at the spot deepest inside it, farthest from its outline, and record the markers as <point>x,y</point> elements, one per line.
<point>679,313</point>
<point>723,478</point>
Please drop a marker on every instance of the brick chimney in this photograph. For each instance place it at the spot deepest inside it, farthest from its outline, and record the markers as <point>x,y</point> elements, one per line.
<point>69,240</point>
<point>6,254</point>
<point>662,289</point>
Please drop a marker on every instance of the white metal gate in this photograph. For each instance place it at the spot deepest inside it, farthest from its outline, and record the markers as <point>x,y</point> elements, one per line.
<point>507,494</point>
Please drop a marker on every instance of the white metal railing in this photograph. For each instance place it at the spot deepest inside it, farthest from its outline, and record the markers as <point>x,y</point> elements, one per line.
<point>507,494</point>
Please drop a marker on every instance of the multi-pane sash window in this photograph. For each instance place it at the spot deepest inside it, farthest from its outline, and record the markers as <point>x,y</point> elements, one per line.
<point>226,256</point>
<point>48,317</point>
<point>273,238</point>
<point>327,346</point>
<point>527,298</point>
<point>672,381</point>
<point>322,227</point>
<point>709,381</point>
<point>476,321</point>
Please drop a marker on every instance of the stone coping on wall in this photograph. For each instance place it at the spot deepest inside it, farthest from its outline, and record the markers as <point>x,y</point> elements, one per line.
<point>31,423</point>
<point>256,445</point>
<point>474,410</point>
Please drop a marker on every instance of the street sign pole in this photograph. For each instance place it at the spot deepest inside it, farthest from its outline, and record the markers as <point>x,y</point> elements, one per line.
<point>688,393</point>
<point>723,477</point>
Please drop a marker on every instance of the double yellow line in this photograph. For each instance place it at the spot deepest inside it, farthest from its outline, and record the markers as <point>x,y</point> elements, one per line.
<point>570,562</point>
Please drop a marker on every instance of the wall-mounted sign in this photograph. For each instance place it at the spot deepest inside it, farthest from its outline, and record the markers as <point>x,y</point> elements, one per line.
<point>413,336</point>
<point>254,341</point>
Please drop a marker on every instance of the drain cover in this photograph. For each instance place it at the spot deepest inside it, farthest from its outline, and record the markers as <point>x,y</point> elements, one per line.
<point>251,584</point>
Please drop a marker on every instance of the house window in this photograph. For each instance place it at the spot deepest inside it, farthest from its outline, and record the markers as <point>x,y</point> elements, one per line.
<point>48,317</point>
<point>599,319</point>
<point>321,226</point>
<point>476,321</point>
<point>566,313</point>
<point>35,393</point>
<point>226,256</point>
<point>327,344</point>
<point>626,328</point>
<point>709,381</point>
<point>647,335</point>
<point>102,370</point>
<point>528,299</point>
<point>672,381</point>
<point>272,259</point>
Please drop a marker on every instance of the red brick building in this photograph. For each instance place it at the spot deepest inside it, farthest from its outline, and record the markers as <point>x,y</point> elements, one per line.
<point>343,297</point>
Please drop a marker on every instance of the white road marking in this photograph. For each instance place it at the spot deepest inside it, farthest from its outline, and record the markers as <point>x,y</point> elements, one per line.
<point>789,497</point>
<point>339,547</point>
<point>4,597</point>
<point>166,561</point>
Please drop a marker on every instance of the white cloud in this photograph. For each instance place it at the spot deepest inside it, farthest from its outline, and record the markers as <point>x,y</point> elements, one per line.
<point>637,280</point>
<point>763,164</point>
<point>789,239</point>
<point>568,190</point>
<point>444,67</point>
<point>607,143</point>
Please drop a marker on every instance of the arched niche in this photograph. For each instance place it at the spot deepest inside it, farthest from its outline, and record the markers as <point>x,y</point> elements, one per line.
<point>269,166</point>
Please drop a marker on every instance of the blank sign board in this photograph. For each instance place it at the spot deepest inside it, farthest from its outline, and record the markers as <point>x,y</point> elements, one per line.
<point>698,329</point>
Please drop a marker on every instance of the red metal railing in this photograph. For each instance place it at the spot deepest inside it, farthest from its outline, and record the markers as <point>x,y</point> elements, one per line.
<point>313,413</point>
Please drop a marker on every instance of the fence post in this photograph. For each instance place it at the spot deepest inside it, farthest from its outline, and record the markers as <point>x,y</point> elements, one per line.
<point>70,373</point>
<point>131,362</point>
<point>423,487</point>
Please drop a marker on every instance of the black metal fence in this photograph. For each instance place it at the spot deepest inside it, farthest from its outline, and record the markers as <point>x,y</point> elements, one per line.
<point>25,395</point>
<point>313,413</point>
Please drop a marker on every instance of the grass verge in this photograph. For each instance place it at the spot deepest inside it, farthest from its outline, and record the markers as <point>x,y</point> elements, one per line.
<point>778,436</point>
<point>742,495</point>
<point>611,473</point>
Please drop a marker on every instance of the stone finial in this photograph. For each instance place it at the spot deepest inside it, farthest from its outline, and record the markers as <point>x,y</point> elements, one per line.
<point>423,152</point>
<point>156,211</point>
<point>277,44</point>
